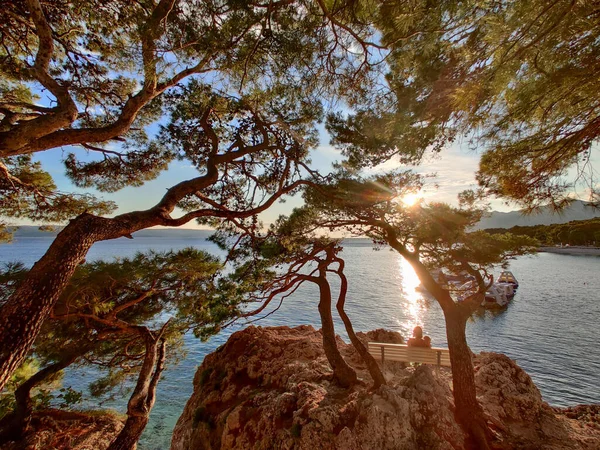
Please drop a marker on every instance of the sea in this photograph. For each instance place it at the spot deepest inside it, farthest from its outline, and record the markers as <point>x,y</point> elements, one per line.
<point>550,329</point>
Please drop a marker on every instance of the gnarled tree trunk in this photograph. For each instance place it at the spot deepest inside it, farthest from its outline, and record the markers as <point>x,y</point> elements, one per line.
<point>469,412</point>
<point>22,316</point>
<point>143,396</point>
<point>342,372</point>
<point>372,366</point>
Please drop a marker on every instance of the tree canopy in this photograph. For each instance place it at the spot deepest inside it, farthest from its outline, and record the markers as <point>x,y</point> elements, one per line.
<point>516,78</point>
<point>237,89</point>
<point>96,77</point>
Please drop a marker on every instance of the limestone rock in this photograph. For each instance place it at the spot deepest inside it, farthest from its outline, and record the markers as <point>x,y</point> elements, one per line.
<point>514,405</point>
<point>272,388</point>
<point>381,335</point>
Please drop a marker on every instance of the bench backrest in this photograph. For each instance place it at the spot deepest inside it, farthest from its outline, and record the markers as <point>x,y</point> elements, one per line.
<point>404,353</point>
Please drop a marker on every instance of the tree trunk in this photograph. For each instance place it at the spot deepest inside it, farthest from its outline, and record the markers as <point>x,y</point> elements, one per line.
<point>143,396</point>
<point>372,366</point>
<point>14,424</point>
<point>22,315</point>
<point>469,412</point>
<point>130,434</point>
<point>342,372</point>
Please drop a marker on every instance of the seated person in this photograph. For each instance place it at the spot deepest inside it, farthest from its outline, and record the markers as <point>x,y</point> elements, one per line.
<point>427,341</point>
<point>417,339</point>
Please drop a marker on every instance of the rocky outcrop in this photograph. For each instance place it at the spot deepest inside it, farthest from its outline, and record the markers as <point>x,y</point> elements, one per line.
<point>271,388</point>
<point>381,335</point>
<point>56,429</point>
<point>515,407</point>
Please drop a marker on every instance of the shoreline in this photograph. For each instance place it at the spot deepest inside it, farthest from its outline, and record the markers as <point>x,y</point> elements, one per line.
<point>574,250</point>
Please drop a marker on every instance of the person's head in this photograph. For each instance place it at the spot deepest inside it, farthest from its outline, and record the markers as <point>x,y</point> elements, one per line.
<point>427,340</point>
<point>418,332</point>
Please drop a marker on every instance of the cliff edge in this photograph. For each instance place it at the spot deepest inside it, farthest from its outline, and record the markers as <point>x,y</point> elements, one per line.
<point>271,388</point>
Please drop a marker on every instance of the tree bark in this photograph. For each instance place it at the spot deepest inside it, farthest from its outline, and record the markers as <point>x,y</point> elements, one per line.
<point>144,395</point>
<point>342,372</point>
<point>372,366</point>
<point>22,315</point>
<point>468,411</point>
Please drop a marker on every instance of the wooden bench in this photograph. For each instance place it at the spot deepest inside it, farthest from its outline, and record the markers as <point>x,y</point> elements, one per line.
<point>404,353</point>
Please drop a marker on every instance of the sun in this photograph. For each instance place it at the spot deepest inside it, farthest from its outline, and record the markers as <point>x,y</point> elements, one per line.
<point>411,199</point>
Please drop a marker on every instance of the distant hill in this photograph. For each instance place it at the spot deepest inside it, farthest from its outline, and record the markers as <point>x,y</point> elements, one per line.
<point>578,210</point>
<point>33,231</point>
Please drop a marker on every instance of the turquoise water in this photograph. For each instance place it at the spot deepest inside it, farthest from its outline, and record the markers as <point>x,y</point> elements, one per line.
<point>550,328</point>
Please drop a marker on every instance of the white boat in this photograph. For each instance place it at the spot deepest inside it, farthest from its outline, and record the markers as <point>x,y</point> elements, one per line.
<point>498,295</point>
<point>507,277</point>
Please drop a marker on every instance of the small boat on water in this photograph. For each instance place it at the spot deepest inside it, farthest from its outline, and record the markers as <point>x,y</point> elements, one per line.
<point>507,277</point>
<point>501,292</point>
<point>498,295</point>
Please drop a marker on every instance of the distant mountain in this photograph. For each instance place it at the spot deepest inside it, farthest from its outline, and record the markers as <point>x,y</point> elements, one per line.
<point>33,231</point>
<point>578,210</point>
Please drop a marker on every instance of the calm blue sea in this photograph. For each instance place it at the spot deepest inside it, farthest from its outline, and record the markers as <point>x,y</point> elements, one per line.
<point>550,328</point>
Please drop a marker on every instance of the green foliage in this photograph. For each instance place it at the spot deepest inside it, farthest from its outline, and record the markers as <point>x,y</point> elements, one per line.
<point>44,395</point>
<point>437,234</point>
<point>6,233</point>
<point>113,173</point>
<point>516,77</point>
<point>7,399</point>
<point>115,69</point>
<point>576,232</point>
<point>107,383</point>
<point>99,313</point>
<point>27,191</point>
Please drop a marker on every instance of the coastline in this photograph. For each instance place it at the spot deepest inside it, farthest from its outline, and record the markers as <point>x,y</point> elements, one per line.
<point>571,250</point>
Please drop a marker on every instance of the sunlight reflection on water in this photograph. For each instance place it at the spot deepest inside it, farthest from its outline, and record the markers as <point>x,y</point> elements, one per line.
<point>412,302</point>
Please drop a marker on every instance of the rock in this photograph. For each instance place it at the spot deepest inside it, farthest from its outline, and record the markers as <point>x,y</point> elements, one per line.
<point>272,388</point>
<point>56,429</point>
<point>515,406</point>
<point>381,335</point>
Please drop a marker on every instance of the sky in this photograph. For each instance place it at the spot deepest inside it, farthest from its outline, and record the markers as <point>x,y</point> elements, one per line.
<point>454,167</point>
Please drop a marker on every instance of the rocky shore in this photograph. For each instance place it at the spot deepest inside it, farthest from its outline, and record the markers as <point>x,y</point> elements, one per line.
<point>271,388</point>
